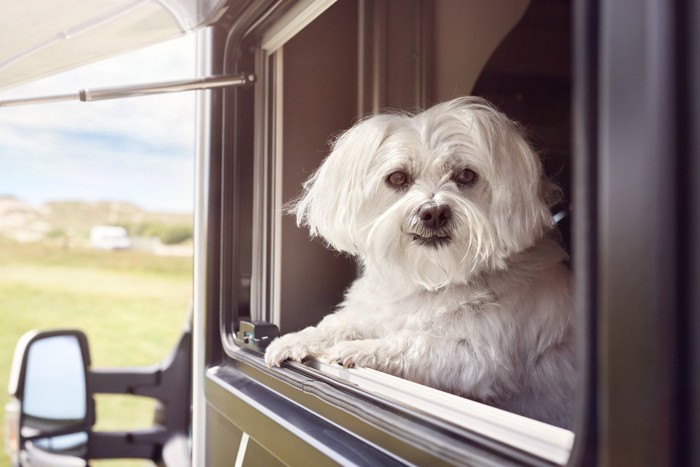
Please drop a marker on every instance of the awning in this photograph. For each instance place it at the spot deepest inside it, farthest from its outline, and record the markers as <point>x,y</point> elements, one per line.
<point>42,37</point>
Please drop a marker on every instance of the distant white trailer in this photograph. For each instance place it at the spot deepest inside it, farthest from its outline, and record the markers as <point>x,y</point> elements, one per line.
<point>109,237</point>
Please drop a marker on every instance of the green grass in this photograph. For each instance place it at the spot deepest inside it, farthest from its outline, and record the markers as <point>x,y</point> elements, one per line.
<point>131,305</point>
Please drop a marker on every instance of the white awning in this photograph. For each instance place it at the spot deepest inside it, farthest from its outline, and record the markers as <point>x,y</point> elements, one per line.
<point>42,37</point>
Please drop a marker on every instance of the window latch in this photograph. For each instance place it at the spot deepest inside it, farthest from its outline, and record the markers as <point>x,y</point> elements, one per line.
<point>255,335</point>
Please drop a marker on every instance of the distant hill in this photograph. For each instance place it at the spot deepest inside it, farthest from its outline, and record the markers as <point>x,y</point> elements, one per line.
<point>22,221</point>
<point>83,215</point>
<point>72,220</point>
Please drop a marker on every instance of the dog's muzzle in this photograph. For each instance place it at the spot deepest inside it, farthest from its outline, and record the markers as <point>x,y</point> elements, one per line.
<point>434,219</point>
<point>435,241</point>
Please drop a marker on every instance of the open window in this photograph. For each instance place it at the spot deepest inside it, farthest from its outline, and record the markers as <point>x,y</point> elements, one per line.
<point>320,67</point>
<point>333,72</point>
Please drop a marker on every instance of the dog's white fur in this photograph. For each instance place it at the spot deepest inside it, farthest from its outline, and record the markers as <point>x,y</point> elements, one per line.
<point>486,315</point>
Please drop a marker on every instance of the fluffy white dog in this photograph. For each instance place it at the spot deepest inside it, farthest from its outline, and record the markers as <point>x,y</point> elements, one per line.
<point>462,288</point>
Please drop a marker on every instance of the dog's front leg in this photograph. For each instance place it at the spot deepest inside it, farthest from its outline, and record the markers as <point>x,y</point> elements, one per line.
<point>314,340</point>
<point>454,365</point>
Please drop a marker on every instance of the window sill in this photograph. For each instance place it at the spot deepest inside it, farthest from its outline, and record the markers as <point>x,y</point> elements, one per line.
<point>423,420</point>
<point>539,439</point>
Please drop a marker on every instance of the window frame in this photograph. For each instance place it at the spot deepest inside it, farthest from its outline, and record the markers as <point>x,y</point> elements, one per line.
<point>411,429</point>
<point>651,416</point>
<point>605,411</point>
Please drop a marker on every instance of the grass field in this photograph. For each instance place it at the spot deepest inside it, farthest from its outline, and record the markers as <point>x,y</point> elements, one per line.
<point>131,305</point>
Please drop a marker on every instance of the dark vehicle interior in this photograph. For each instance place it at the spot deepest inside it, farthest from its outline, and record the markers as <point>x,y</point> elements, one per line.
<point>522,65</point>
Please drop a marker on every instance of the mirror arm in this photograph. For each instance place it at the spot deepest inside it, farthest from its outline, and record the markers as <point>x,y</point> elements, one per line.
<point>168,382</point>
<point>139,444</point>
<point>123,381</point>
<point>164,381</point>
<point>161,381</point>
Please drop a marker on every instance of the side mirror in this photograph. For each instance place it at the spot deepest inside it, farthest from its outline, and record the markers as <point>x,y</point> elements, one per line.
<point>51,408</point>
<point>51,412</point>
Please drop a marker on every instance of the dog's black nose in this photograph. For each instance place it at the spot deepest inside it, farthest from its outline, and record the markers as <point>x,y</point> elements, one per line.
<point>434,216</point>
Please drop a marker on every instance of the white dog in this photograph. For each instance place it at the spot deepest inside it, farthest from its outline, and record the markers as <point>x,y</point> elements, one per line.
<point>461,288</point>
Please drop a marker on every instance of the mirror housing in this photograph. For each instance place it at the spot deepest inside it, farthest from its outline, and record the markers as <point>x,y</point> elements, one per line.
<point>51,409</point>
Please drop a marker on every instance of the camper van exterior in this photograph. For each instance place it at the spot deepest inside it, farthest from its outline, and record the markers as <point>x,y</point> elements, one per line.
<point>609,90</point>
<point>109,237</point>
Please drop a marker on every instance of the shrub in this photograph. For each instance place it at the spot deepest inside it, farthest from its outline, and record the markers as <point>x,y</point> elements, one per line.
<point>169,234</point>
<point>55,232</point>
<point>174,234</point>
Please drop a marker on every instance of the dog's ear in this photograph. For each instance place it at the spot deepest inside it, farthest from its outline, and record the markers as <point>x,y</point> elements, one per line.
<point>334,194</point>
<point>521,196</point>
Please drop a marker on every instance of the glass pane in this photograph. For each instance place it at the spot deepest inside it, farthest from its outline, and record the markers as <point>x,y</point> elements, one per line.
<point>68,167</point>
<point>54,387</point>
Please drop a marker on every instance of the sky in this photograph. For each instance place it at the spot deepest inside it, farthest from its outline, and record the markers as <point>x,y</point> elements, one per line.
<point>139,150</point>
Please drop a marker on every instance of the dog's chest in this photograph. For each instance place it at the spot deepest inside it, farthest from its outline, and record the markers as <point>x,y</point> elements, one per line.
<point>445,313</point>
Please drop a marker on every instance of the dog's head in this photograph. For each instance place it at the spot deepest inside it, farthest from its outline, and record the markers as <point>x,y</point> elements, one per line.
<point>432,198</point>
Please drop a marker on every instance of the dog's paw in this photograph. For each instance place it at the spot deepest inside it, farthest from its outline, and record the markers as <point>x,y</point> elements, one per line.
<point>361,353</point>
<point>289,347</point>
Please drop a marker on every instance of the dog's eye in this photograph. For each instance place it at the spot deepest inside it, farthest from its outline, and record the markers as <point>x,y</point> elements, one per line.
<point>465,177</point>
<point>397,179</point>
